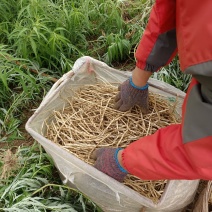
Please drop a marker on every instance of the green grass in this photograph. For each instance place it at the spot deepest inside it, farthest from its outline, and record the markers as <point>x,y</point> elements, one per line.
<point>174,76</point>
<point>48,36</point>
<point>18,89</point>
<point>55,33</point>
<point>35,186</point>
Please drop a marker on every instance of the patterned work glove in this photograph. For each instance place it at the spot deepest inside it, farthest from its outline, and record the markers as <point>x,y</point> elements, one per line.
<point>131,95</point>
<point>107,162</point>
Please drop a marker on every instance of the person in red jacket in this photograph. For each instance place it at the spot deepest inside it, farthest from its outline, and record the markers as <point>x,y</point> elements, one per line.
<point>179,151</point>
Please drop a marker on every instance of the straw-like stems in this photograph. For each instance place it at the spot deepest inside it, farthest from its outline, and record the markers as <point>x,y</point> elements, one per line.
<point>10,163</point>
<point>148,188</point>
<point>89,121</point>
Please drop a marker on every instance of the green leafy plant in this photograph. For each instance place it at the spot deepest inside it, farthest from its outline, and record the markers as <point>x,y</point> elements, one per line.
<point>35,186</point>
<point>56,33</point>
<point>8,13</point>
<point>174,76</point>
<point>118,48</point>
<point>37,37</point>
<point>18,87</point>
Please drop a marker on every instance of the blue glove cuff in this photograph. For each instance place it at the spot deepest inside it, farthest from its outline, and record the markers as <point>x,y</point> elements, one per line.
<point>117,162</point>
<point>137,87</point>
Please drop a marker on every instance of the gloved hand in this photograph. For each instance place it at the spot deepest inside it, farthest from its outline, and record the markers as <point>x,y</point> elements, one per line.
<point>131,95</point>
<point>107,162</point>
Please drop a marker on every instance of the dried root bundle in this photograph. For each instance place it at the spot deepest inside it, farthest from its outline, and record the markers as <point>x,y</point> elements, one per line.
<point>10,164</point>
<point>89,121</point>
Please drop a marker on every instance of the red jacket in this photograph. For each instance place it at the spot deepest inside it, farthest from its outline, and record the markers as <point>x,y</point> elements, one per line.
<point>182,151</point>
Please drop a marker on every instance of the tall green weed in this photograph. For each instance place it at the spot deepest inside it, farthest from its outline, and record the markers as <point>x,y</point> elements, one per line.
<point>8,13</point>
<point>56,33</point>
<point>35,185</point>
<point>18,87</point>
<point>172,75</point>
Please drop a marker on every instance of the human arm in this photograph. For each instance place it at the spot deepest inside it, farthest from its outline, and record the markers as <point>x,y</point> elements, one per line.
<point>178,151</point>
<point>157,48</point>
<point>140,77</point>
<point>158,44</point>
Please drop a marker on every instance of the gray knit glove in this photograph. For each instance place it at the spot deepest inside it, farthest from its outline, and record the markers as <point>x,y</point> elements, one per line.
<point>131,95</point>
<point>106,161</point>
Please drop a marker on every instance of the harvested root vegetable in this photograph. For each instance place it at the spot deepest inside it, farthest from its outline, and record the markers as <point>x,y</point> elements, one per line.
<point>88,121</point>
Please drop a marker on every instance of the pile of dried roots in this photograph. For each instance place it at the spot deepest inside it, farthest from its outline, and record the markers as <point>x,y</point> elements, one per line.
<point>89,121</point>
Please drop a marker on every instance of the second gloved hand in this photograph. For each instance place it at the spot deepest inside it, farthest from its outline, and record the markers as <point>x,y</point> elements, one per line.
<point>131,95</point>
<point>107,162</point>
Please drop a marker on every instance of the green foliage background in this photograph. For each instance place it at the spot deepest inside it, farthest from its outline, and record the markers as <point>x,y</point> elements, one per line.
<point>56,33</point>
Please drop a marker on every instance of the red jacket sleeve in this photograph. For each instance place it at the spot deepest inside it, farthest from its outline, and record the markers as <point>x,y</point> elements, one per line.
<point>159,156</point>
<point>164,156</point>
<point>180,151</point>
<point>158,45</point>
